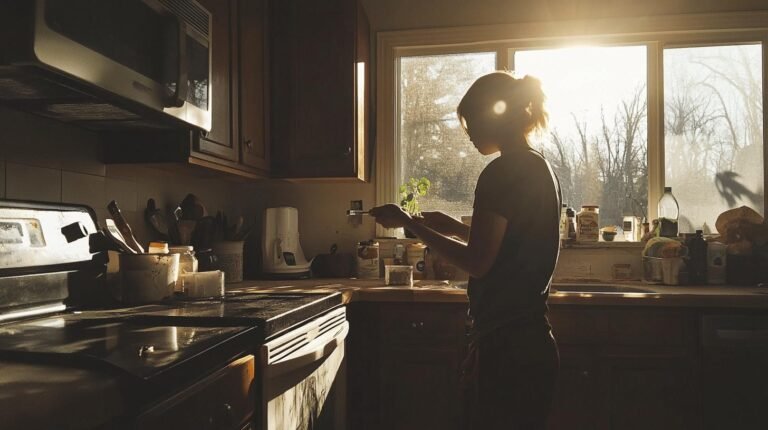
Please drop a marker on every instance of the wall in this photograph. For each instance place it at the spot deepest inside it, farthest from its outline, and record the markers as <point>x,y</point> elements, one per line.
<point>45,160</point>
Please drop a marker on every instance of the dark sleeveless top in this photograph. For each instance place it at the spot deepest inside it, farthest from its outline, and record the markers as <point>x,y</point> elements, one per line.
<point>521,187</point>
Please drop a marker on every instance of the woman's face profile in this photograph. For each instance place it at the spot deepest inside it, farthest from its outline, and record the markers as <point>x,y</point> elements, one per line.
<point>482,139</point>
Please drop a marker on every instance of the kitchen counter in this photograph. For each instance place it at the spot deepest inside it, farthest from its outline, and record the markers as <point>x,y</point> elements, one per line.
<point>36,396</point>
<point>358,290</point>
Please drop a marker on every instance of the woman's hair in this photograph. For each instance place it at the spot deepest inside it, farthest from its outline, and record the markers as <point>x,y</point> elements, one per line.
<point>499,104</point>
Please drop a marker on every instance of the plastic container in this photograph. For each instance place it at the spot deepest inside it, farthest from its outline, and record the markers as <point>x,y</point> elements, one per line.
<point>398,275</point>
<point>669,213</point>
<point>671,269</point>
<point>588,224</point>
<point>148,278</point>
<point>203,284</point>
<point>229,255</point>
<point>417,256</point>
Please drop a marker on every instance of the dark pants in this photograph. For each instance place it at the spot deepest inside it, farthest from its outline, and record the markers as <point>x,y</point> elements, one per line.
<point>510,375</point>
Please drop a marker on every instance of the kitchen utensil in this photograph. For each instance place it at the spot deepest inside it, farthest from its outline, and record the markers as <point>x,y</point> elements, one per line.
<point>236,228</point>
<point>186,227</point>
<point>203,234</point>
<point>124,227</point>
<point>113,235</point>
<point>353,212</point>
<point>192,208</point>
<point>148,278</point>
<point>156,219</point>
<point>281,251</point>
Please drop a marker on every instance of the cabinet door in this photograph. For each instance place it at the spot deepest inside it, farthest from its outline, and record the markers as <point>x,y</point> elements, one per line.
<point>218,141</point>
<point>319,89</point>
<point>574,405</point>
<point>648,393</point>
<point>252,93</point>
<point>420,389</point>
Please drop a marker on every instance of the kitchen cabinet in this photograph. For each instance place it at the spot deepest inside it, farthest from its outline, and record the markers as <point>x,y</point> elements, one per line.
<point>625,368</point>
<point>405,361</point>
<point>734,377</point>
<point>236,145</point>
<point>219,140</point>
<point>223,400</point>
<point>320,90</point>
<point>252,90</point>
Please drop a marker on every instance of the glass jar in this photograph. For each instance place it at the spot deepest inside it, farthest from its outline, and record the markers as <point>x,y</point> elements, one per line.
<point>588,224</point>
<point>187,261</point>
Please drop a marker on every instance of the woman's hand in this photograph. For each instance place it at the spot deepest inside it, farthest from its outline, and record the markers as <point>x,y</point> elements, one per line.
<point>390,216</point>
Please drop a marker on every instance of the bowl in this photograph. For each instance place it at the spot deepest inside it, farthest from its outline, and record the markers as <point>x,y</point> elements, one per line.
<point>608,235</point>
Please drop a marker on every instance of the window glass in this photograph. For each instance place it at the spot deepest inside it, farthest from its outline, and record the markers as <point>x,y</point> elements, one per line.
<point>597,135</point>
<point>713,130</point>
<point>432,142</point>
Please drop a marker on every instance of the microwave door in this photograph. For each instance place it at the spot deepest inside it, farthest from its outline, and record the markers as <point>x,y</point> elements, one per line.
<point>132,49</point>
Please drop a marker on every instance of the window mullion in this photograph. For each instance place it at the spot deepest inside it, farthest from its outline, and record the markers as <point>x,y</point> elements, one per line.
<point>655,126</point>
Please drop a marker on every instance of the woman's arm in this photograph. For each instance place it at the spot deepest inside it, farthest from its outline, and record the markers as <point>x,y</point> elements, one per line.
<point>476,257</point>
<point>446,225</point>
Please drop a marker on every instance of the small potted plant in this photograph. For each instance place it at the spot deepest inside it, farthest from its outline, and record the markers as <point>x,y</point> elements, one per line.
<point>409,197</point>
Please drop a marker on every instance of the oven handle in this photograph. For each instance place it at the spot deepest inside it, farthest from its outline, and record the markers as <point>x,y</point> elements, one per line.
<point>316,354</point>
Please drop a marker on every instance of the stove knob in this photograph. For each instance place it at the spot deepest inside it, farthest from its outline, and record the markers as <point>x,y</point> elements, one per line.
<point>74,231</point>
<point>145,350</point>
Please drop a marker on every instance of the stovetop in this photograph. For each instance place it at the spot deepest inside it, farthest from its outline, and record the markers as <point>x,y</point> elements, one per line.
<point>158,342</point>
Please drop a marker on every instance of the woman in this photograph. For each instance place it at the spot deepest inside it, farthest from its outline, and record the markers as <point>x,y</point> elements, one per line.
<point>510,253</point>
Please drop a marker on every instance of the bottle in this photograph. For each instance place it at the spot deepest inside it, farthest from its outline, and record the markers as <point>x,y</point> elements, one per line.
<point>697,262</point>
<point>669,212</point>
<point>716,263</point>
<point>571,214</point>
<point>588,224</point>
<point>564,223</point>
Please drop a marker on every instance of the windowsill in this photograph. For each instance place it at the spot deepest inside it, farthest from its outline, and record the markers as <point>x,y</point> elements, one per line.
<point>603,245</point>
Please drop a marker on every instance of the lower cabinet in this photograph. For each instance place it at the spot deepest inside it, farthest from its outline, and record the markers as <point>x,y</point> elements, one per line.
<point>404,365</point>
<point>625,368</point>
<point>620,367</point>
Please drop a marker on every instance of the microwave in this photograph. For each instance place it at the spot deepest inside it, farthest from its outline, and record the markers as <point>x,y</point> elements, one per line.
<point>108,64</point>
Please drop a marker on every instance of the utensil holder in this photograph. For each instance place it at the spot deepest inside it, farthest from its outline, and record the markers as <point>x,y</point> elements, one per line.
<point>230,258</point>
<point>148,278</point>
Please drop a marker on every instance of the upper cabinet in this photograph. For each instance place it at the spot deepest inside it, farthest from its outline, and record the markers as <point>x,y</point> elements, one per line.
<point>236,145</point>
<point>252,89</point>
<point>219,140</point>
<point>320,89</point>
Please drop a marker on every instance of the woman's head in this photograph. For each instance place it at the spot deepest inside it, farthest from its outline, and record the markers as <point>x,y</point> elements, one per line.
<point>499,110</point>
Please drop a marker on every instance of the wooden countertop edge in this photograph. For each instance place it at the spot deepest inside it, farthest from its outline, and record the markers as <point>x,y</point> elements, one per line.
<point>354,290</point>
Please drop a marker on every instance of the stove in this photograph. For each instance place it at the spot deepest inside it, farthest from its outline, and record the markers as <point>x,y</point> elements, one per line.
<point>52,311</point>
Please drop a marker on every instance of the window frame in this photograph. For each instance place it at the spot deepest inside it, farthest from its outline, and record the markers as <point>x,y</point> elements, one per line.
<point>654,32</point>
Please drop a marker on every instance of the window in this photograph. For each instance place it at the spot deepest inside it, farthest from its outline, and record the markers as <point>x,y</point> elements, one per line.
<point>713,130</point>
<point>432,142</point>
<point>597,135</point>
<point>661,106</point>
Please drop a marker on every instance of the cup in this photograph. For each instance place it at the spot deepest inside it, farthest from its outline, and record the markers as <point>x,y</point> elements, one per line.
<point>670,268</point>
<point>148,278</point>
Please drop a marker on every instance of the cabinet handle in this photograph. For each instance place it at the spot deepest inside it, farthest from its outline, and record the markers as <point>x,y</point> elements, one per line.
<point>249,144</point>
<point>585,373</point>
<point>223,418</point>
<point>417,325</point>
<point>348,152</point>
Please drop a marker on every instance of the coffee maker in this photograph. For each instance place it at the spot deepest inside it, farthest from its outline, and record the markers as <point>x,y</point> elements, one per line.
<point>282,257</point>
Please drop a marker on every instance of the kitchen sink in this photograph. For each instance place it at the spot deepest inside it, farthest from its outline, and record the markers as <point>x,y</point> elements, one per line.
<point>599,289</point>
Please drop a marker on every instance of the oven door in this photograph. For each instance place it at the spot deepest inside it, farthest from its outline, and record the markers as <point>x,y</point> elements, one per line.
<point>144,51</point>
<point>304,376</point>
